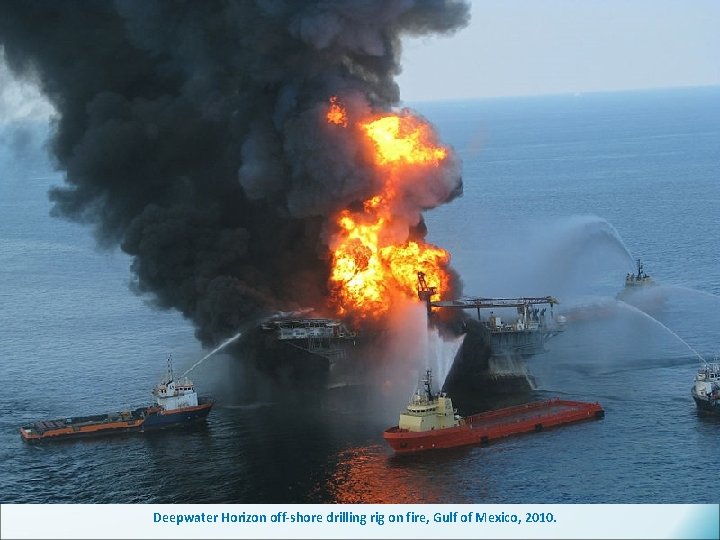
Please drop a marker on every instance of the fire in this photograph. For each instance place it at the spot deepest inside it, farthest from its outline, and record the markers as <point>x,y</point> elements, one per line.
<point>369,266</point>
<point>402,139</point>
<point>336,113</point>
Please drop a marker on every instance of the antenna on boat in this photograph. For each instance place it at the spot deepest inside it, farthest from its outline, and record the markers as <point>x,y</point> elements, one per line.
<point>428,384</point>
<point>171,373</point>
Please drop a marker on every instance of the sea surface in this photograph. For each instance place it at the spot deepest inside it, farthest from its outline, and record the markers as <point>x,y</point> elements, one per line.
<point>561,195</point>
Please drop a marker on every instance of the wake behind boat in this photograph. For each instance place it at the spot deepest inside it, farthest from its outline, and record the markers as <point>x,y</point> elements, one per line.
<point>175,402</point>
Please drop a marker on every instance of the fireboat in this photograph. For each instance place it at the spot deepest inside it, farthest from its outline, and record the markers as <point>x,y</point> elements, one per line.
<point>706,390</point>
<point>640,279</point>
<point>175,402</point>
<point>429,420</point>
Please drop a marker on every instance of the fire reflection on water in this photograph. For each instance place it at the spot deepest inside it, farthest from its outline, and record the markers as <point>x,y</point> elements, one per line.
<point>370,475</point>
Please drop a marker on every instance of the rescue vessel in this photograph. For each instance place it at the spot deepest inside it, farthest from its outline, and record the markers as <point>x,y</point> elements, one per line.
<point>706,390</point>
<point>641,279</point>
<point>430,422</point>
<point>175,402</point>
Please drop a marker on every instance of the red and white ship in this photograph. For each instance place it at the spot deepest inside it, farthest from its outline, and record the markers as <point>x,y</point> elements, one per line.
<point>429,421</point>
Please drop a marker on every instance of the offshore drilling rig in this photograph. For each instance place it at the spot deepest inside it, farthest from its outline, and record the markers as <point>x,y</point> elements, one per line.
<point>491,360</point>
<point>525,335</point>
<point>298,347</point>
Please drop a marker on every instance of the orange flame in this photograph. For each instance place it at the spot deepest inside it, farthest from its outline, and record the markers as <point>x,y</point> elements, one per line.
<point>369,268</point>
<point>403,139</point>
<point>336,113</point>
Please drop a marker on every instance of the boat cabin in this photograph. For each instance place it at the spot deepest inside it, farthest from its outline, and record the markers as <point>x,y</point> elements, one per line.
<point>171,394</point>
<point>427,411</point>
<point>709,372</point>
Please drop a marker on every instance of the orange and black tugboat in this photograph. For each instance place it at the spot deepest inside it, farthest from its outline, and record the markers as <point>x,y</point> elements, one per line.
<point>175,403</point>
<point>430,421</point>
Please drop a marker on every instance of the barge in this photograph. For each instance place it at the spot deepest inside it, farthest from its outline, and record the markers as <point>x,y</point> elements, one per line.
<point>430,421</point>
<point>175,402</point>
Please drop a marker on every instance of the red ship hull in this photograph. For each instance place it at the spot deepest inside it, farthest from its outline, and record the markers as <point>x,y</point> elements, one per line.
<point>485,427</point>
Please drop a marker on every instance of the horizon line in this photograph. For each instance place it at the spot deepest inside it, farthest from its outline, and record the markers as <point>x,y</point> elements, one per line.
<point>571,93</point>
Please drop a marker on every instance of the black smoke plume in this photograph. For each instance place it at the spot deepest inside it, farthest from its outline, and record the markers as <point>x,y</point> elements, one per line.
<point>192,134</point>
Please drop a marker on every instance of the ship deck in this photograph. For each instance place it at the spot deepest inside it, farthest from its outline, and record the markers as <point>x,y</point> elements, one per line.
<point>536,411</point>
<point>484,427</point>
<point>140,419</point>
<point>82,421</point>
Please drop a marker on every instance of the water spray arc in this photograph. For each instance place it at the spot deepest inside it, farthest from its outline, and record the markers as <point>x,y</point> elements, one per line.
<point>216,349</point>
<point>694,291</point>
<point>655,321</point>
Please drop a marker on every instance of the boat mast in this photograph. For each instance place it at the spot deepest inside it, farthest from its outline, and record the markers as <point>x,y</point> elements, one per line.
<point>428,384</point>
<point>171,373</point>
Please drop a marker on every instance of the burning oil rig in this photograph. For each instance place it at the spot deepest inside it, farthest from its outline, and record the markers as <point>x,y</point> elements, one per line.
<point>524,336</point>
<point>490,361</point>
<point>297,348</point>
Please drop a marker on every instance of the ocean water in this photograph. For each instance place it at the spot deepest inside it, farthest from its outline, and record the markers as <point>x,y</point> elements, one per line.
<point>561,194</point>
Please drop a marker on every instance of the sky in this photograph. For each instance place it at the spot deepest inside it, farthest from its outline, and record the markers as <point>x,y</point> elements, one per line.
<point>20,100</point>
<point>535,47</point>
